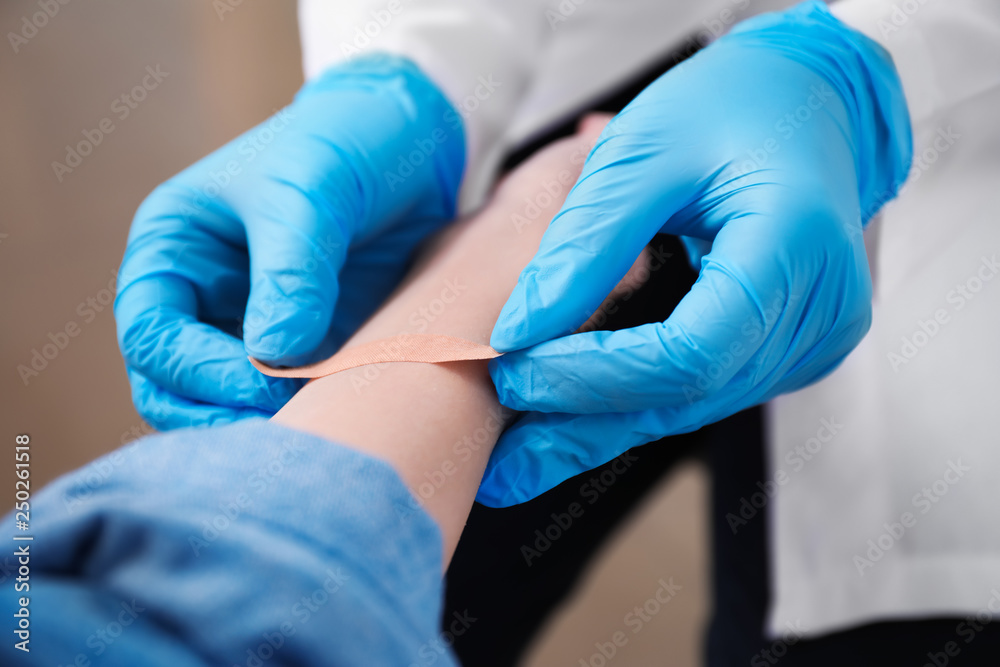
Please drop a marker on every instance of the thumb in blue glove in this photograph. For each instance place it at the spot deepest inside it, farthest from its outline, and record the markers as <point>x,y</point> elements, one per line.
<point>772,147</point>
<point>288,237</point>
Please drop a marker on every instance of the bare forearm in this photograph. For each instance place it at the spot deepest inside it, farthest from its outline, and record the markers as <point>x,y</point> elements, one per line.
<point>437,423</point>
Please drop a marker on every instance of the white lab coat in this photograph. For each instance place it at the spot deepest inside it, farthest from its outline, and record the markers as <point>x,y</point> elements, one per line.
<point>854,452</point>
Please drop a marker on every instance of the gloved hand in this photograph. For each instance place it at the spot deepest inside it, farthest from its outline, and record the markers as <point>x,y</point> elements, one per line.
<point>772,147</point>
<point>289,236</point>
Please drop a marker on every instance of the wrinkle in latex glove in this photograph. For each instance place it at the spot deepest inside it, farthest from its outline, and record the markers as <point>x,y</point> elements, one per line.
<point>281,243</point>
<point>772,147</point>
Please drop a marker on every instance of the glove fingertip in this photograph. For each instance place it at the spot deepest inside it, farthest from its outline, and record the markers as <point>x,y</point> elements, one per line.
<point>494,498</point>
<point>287,319</point>
<point>283,344</point>
<point>505,381</point>
<point>511,329</point>
<point>497,491</point>
<point>270,347</point>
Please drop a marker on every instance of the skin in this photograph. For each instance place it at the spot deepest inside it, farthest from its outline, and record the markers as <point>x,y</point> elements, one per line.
<point>437,424</point>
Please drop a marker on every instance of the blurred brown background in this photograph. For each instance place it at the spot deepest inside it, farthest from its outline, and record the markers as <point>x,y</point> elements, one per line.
<point>61,243</point>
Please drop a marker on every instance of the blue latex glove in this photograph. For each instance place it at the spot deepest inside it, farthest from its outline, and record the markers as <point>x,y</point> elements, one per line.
<point>773,147</point>
<point>290,235</point>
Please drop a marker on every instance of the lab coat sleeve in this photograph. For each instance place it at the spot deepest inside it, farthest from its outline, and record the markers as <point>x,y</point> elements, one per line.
<point>481,53</point>
<point>945,52</point>
<point>248,544</point>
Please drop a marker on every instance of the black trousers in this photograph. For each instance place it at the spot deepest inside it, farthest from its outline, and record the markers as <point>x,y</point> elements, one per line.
<point>514,566</point>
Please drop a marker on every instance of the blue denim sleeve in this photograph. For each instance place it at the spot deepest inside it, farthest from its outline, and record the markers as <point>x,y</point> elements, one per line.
<point>249,544</point>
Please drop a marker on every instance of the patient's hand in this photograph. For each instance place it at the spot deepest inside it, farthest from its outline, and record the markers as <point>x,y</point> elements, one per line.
<point>437,424</point>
